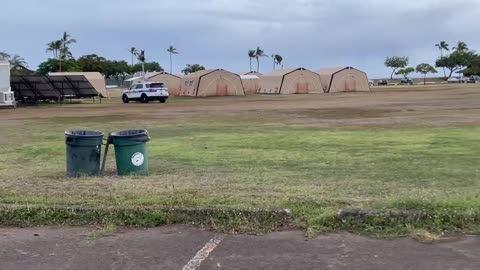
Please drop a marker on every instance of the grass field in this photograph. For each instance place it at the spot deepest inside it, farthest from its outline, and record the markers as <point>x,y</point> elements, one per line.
<point>315,165</point>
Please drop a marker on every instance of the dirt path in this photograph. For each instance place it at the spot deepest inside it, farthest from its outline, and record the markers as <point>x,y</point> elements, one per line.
<point>429,108</point>
<point>175,247</point>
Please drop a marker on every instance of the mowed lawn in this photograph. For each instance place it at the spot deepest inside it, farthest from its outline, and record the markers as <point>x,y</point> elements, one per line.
<point>311,170</point>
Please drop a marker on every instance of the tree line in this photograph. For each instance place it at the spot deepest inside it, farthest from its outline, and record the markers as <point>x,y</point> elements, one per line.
<point>459,58</point>
<point>62,60</point>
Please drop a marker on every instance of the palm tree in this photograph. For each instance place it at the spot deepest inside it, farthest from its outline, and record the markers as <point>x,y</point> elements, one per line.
<point>17,62</point>
<point>171,50</point>
<point>4,56</point>
<point>54,47</point>
<point>65,53</point>
<point>259,53</point>
<point>65,41</point>
<point>134,52</point>
<point>461,46</point>
<point>277,60</point>
<point>443,45</point>
<point>251,55</point>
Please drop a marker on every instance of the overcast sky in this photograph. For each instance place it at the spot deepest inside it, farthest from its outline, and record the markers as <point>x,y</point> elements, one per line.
<point>218,33</point>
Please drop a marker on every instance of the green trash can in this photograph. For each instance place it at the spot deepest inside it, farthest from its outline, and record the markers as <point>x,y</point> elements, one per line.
<point>130,151</point>
<point>84,149</point>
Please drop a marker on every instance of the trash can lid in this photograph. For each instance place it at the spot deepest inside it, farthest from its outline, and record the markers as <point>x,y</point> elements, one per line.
<point>134,134</point>
<point>83,134</point>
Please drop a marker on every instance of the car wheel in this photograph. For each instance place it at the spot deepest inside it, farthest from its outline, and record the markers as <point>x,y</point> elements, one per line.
<point>125,99</point>
<point>144,98</point>
<point>162,100</point>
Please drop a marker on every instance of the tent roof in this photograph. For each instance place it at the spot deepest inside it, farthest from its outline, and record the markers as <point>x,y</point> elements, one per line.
<point>333,70</point>
<point>153,74</point>
<point>95,79</point>
<point>249,76</point>
<point>330,70</point>
<point>201,73</point>
<point>47,87</point>
<point>282,72</point>
<point>248,73</point>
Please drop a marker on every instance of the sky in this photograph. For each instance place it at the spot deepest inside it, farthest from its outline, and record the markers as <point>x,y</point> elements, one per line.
<point>218,33</point>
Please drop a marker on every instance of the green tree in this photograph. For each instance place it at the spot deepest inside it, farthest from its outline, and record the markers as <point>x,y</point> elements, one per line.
<point>141,56</point>
<point>405,71</point>
<point>259,53</point>
<point>442,45</point>
<point>425,69</point>
<point>456,61</point>
<point>192,68</point>
<point>16,61</point>
<point>461,46</point>
<point>92,63</point>
<point>51,65</point>
<point>277,60</point>
<point>54,47</point>
<point>172,50</point>
<point>148,66</point>
<point>18,65</point>
<point>134,52</point>
<point>63,53</point>
<point>117,70</point>
<point>251,55</point>
<point>66,41</point>
<point>474,67</point>
<point>396,62</point>
<point>4,56</point>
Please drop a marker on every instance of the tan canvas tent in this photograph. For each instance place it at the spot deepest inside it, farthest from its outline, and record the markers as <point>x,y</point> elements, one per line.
<point>251,82</point>
<point>290,81</point>
<point>171,81</point>
<point>215,82</point>
<point>95,78</point>
<point>343,79</point>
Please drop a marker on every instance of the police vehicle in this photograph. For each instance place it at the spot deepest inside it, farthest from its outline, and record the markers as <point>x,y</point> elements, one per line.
<point>145,92</point>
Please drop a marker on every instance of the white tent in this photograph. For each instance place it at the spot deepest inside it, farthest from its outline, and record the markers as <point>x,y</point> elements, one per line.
<point>7,98</point>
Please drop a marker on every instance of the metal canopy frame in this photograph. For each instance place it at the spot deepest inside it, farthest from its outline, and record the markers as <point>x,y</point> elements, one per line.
<point>52,87</point>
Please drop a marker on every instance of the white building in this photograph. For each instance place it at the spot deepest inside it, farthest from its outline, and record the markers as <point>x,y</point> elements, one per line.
<point>7,98</point>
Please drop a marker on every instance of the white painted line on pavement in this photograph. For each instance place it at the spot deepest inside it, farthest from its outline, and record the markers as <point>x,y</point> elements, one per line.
<point>203,253</point>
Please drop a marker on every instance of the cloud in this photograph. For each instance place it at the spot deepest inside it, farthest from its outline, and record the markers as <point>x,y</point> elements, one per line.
<point>218,33</point>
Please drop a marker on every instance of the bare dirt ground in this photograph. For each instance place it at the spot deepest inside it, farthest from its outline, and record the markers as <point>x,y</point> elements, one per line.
<point>398,107</point>
<point>183,247</point>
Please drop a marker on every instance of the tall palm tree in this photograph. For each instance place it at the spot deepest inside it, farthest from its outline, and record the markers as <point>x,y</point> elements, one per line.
<point>274,62</point>
<point>64,52</point>
<point>172,50</point>
<point>259,53</point>
<point>66,40</point>
<point>141,58</point>
<point>17,62</point>
<point>134,52</point>
<point>54,47</point>
<point>461,46</point>
<point>277,59</point>
<point>251,55</point>
<point>443,45</point>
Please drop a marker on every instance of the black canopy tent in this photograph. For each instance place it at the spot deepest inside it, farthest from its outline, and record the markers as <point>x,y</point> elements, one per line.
<point>52,87</point>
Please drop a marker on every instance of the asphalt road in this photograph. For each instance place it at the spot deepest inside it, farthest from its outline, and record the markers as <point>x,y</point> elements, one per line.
<point>184,247</point>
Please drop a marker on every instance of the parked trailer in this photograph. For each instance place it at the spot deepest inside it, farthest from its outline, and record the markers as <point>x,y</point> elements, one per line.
<point>7,98</point>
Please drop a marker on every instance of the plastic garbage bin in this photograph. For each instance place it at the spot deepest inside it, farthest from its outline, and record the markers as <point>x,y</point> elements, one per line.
<point>84,149</point>
<point>130,151</point>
